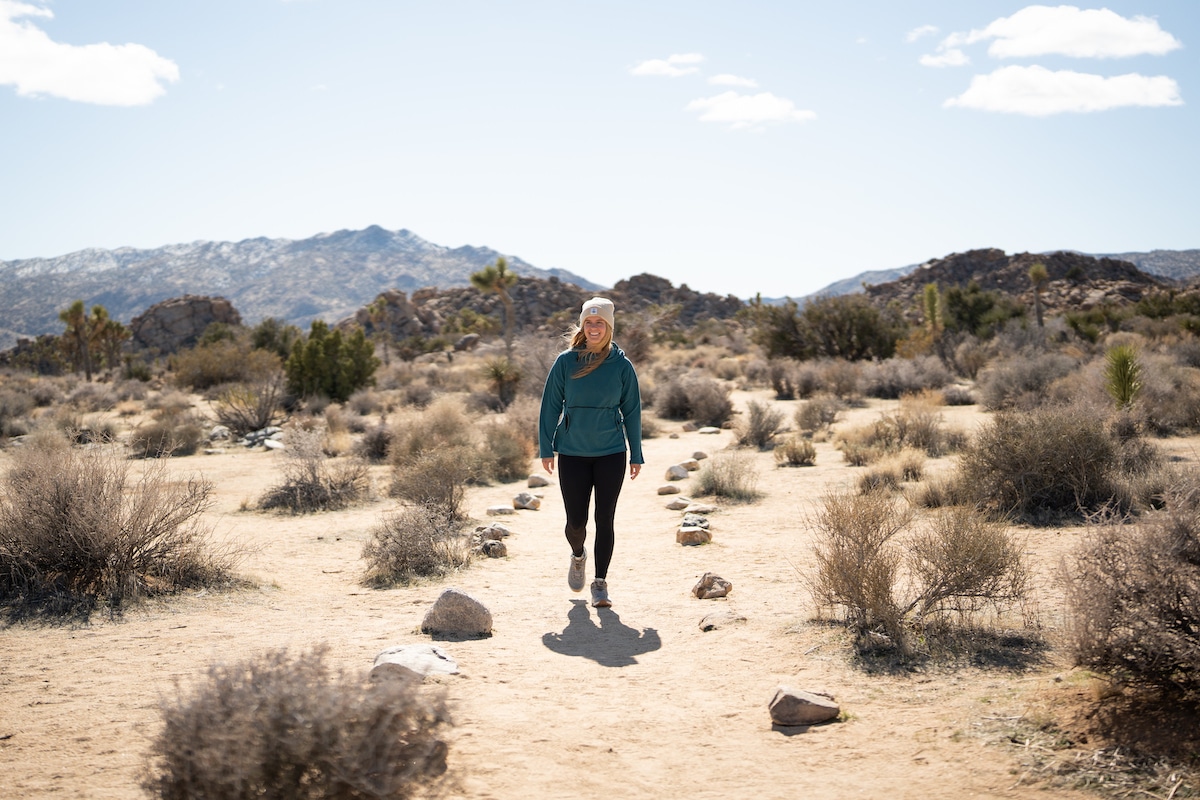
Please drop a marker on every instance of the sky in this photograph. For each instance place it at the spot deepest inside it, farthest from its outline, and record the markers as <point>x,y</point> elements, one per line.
<point>742,148</point>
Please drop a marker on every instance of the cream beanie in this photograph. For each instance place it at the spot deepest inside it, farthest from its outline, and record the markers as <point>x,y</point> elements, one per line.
<point>598,307</point>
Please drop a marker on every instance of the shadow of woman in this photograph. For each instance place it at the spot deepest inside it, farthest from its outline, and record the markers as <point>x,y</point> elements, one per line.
<point>610,644</point>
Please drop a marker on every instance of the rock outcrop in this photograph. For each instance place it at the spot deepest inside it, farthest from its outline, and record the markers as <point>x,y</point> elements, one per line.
<point>178,323</point>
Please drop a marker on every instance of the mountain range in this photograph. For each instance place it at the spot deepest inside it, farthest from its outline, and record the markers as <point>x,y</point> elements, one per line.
<point>327,276</point>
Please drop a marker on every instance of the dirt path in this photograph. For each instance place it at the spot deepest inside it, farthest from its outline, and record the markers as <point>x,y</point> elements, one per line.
<point>563,700</point>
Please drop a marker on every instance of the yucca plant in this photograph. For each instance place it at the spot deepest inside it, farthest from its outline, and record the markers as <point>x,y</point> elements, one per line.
<point>1123,374</point>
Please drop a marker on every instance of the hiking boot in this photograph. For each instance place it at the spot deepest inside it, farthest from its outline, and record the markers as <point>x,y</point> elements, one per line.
<point>575,576</point>
<point>600,594</point>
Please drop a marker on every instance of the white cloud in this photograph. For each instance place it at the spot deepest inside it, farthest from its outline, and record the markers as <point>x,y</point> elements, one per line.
<point>1071,31</point>
<point>1038,92</point>
<point>671,67</point>
<point>917,33</point>
<point>104,74</point>
<point>748,110</point>
<point>950,57</point>
<point>725,79</point>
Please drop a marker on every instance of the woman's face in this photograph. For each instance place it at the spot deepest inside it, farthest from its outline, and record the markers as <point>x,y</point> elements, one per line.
<point>594,330</point>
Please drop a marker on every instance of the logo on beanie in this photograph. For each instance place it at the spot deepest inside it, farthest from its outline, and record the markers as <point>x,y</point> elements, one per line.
<point>594,311</point>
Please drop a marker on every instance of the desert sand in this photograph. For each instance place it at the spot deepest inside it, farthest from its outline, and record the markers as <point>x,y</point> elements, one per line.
<point>563,700</point>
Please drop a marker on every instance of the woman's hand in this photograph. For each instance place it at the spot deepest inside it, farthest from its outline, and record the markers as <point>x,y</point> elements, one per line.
<point>634,471</point>
<point>548,465</point>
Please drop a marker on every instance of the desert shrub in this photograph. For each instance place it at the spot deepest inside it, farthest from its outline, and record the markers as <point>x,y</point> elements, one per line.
<point>1133,598</point>
<point>330,364</point>
<point>818,412</point>
<point>414,542</point>
<point>783,374</point>
<point>274,727</point>
<point>437,479</point>
<point>955,395</point>
<point>883,476</point>
<point>374,444</point>
<point>310,483</point>
<point>93,397</point>
<point>759,426</point>
<point>508,448</point>
<point>795,451</point>
<point>840,378</point>
<point>918,423</point>
<point>366,402</point>
<point>248,407</point>
<point>1021,381</point>
<point>443,425</point>
<point>895,377</point>
<point>1041,464</point>
<point>167,434</point>
<point>942,491</point>
<point>75,531</point>
<point>222,361</point>
<point>887,581</point>
<point>15,407</point>
<point>1170,396</point>
<point>702,400</point>
<point>729,474</point>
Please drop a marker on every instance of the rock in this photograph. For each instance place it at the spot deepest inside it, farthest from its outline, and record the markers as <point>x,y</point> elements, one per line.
<point>699,455</point>
<point>466,343</point>
<point>689,426</point>
<point>273,444</point>
<point>456,613</point>
<point>673,436</point>
<point>676,473</point>
<point>790,707</point>
<point>708,430</point>
<point>693,536</point>
<point>537,481</point>
<point>712,586</point>
<point>692,520</point>
<point>527,501</point>
<point>700,508</point>
<point>668,488</point>
<point>720,619</point>
<point>220,433</point>
<point>178,323</point>
<point>387,671</point>
<point>691,464</point>
<point>500,511</point>
<point>423,659</point>
<point>679,503</point>
<point>494,531</point>
<point>214,451</point>
<point>493,548</point>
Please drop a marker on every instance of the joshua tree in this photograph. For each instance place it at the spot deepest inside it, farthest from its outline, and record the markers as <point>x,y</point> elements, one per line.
<point>91,338</point>
<point>1038,277</point>
<point>496,278</point>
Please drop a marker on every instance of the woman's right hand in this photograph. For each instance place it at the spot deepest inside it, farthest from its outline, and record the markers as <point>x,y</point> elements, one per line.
<point>548,465</point>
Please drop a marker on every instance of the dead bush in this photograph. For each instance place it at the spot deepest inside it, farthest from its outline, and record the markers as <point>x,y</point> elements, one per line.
<point>444,424</point>
<point>729,474</point>
<point>896,377</point>
<point>310,483</point>
<point>274,727</point>
<point>75,531</point>
<point>759,426</point>
<point>167,434</point>
<point>374,444</point>
<point>818,412</point>
<point>887,582</point>
<point>702,400</point>
<point>248,407</point>
<point>414,542</point>
<point>1021,381</point>
<point>437,479</point>
<point>795,451</point>
<point>508,448</point>
<point>1042,464</point>
<point>1133,598</point>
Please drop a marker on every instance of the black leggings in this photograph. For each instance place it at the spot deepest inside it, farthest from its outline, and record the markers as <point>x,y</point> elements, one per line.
<point>577,477</point>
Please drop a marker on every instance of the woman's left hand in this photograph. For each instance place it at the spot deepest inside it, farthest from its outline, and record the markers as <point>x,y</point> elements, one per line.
<point>634,469</point>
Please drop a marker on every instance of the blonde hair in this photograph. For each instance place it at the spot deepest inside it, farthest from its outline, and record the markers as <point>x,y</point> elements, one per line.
<point>592,359</point>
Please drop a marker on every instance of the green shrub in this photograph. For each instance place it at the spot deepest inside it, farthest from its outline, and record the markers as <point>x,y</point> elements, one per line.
<point>330,364</point>
<point>276,727</point>
<point>222,361</point>
<point>74,533</point>
<point>414,542</point>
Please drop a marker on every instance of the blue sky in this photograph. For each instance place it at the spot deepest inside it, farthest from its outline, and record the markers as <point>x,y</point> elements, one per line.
<point>738,147</point>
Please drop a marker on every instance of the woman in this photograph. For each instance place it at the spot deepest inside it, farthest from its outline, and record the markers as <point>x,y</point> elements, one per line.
<point>590,408</point>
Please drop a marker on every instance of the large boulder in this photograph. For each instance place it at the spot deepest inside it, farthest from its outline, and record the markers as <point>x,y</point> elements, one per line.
<point>178,323</point>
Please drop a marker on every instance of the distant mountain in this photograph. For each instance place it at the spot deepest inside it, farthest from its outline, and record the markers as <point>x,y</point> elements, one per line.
<point>328,276</point>
<point>1179,265</point>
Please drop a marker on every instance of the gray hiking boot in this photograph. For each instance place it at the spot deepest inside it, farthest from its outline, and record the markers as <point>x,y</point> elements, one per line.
<point>575,576</point>
<point>600,594</point>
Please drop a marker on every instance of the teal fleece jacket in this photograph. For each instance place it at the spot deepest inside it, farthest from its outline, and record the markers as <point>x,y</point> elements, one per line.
<point>593,415</point>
